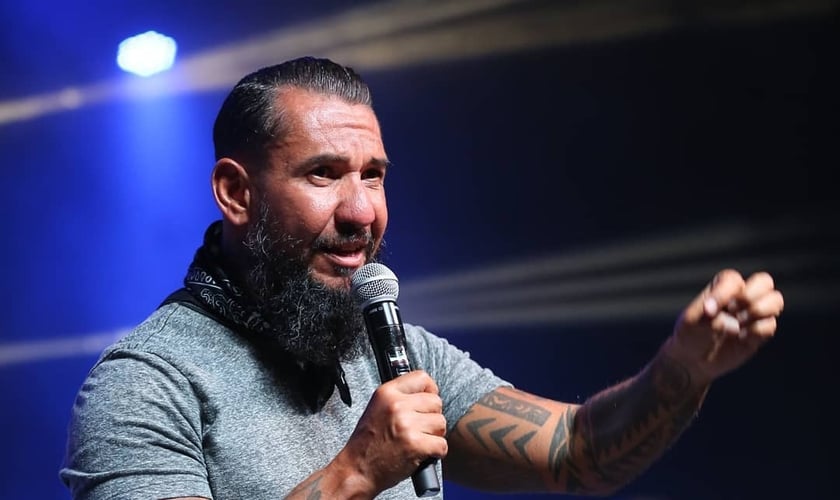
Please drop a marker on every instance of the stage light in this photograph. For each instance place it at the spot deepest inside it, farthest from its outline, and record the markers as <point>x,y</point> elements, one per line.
<point>146,54</point>
<point>395,34</point>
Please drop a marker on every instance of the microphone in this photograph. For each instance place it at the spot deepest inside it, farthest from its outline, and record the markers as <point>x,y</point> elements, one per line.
<point>375,289</point>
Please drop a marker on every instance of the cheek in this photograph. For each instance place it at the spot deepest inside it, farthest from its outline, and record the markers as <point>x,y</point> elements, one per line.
<point>315,215</point>
<point>381,208</point>
<point>302,215</point>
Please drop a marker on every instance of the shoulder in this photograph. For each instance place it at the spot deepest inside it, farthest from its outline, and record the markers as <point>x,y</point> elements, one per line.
<point>436,353</point>
<point>173,327</point>
<point>180,337</point>
<point>430,344</point>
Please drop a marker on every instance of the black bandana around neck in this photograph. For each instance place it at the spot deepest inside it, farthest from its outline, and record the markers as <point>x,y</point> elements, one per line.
<point>219,297</point>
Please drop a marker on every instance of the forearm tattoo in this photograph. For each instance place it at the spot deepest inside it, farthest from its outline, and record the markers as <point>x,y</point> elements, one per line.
<point>598,446</point>
<point>314,490</point>
<point>310,489</point>
<point>621,431</point>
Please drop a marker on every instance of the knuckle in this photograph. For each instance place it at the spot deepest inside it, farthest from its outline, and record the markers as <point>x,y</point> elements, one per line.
<point>726,281</point>
<point>443,449</point>
<point>433,387</point>
<point>441,425</point>
<point>394,407</point>
<point>400,426</point>
<point>728,274</point>
<point>761,280</point>
<point>764,327</point>
<point>765,277</point>
<point>437,402</point>
<point>769,324</point>
<point>382,392</point>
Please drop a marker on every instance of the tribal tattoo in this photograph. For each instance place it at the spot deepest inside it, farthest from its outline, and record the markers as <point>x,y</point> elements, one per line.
<point>595,447</point>
<point>314,492</point>
<point>621,431</point>
<point>489,434</point>
<point>515,407</point>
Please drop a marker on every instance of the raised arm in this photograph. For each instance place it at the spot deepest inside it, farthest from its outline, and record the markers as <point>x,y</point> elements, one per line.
<point>514,441</point>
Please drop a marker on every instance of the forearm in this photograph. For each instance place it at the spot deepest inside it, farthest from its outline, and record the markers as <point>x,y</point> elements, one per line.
<point>619,432</point>
<point>333,481</point>
<point>527,443</point>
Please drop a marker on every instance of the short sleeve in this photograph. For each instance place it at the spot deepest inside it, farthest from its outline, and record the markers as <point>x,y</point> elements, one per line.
<point>135,432</point>
<point>461,381</point>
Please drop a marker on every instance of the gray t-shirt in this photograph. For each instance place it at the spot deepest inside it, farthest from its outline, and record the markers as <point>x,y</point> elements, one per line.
<point>183,406</point>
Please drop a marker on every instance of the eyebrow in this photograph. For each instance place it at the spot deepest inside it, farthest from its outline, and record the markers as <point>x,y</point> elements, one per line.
<point>333,158</point>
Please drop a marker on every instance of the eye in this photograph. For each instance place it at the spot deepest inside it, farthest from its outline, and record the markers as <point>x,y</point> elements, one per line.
<point>320,171</point>
<point>374,174</point>
<point>321,175</point>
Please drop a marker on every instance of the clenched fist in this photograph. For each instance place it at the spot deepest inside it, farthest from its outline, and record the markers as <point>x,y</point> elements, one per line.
<point>726,324</point>
<point>402,426</point>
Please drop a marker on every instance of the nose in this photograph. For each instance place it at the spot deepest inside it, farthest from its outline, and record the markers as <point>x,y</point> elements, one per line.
<point>355,209</point>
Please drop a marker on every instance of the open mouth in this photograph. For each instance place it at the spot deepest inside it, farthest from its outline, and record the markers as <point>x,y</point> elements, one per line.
<point>349,255</point>
<point>346,258</point>
<point>345,252</point>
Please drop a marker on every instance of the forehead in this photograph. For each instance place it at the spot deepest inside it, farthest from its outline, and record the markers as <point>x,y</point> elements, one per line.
<point>315,120</point>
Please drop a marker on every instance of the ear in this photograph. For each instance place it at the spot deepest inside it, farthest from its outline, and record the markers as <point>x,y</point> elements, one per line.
<point>232,190</point>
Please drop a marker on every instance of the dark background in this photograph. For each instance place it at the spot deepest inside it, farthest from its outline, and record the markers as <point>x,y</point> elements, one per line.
<point>722,133</point>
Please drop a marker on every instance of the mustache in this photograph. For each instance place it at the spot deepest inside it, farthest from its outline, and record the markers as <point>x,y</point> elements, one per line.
<point>359,239</point>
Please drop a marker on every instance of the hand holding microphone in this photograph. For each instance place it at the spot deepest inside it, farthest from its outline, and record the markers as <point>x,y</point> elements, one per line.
<point>403,419</point>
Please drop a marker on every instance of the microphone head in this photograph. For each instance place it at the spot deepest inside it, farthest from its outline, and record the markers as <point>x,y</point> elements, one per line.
<point>373,283</point>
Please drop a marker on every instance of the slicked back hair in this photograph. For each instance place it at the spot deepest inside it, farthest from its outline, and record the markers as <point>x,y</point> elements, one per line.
<point>250,119</point>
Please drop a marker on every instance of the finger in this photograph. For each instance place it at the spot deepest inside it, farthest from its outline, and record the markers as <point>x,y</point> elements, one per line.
<point>726,324</point>
<point>426,402</point>
<point>433,447</point>
<point>757,285</point>
<point>430,423</point>
<point>764,327</point>
<point>715,296</point>
<point>420,402</point>
<point>418,426</point>
<point>770,304</point>
<point>415,381</point>
<point>724,288</point>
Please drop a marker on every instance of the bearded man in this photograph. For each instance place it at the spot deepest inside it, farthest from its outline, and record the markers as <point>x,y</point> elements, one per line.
<point>255,380</point>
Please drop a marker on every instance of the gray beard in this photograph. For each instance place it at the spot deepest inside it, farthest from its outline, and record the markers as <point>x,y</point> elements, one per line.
<point>309,319</point>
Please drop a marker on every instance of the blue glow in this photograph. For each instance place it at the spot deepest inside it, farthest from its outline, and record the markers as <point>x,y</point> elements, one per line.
<point>146,54</point>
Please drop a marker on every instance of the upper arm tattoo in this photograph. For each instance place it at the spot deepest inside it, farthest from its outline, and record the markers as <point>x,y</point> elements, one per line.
<point>496,433</point>
<point>515,407</point>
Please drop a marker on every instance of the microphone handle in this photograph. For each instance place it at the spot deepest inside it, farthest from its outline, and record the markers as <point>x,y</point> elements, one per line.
<point>387,337</point>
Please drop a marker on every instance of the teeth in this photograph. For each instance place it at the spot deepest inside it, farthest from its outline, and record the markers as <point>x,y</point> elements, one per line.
<point>345,252</point>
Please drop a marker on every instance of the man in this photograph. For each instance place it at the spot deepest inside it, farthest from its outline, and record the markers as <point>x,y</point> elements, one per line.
<point>255,380</point>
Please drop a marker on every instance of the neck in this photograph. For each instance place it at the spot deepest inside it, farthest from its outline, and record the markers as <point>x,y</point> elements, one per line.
<point>233,250</point>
